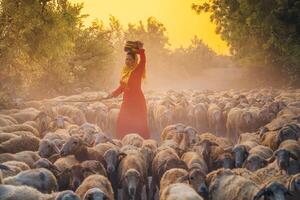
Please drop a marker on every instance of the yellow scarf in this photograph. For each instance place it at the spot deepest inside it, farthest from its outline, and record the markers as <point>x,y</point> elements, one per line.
<point>127,70</point>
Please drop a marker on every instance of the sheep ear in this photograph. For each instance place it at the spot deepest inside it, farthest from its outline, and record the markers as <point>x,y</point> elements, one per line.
<point>122,155</point>
<point>293,156</point>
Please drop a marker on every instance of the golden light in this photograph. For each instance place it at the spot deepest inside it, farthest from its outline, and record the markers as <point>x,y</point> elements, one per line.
<point>181,21</point>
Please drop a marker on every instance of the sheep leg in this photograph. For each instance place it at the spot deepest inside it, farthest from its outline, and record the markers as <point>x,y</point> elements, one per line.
<point>152,190</point>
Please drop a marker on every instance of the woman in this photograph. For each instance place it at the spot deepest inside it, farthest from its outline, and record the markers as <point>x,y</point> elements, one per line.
<point>133,113</point>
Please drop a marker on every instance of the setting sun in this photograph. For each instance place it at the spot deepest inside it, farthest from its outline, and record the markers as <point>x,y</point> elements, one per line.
<point>181,22</point>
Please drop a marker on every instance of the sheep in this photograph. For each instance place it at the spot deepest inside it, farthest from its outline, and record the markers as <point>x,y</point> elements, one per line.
<point>60,122</point>
<point>67,195</point>
<point>214,156</point>
<point>47,148</point>
<point>172,176</point>
<point>8,120</point>
<point>198,116</point>
<point>112,117</point>
<point>79,149</point>
<point>215,119</point>
<point>95,181</point>
<point>112,156</point>
<point>28,157</point>
<point>179,191</point>
<point>20,127</point>
<point>66,162</point>
<point>6,136</point>
<point>41,179</point>
<point>221,141</point>
<point>81,171</point>
<point>27,114</point>
<point>293,186</point>
<point>10,192</point>
<point>287,149</point>
<point>224,184</point>
<point>238,121</point>
<point>168,132</point>
<point>15,167</point>
<point>43,121</point>
<point>18,144</point>
<point>164,160</point>
<point>102,138</point>
<point>132,139</point>
<point>73,113</point>
<point>132,175</point>
<point>241,152</point>
<point>258,157</point>
<point>45,163</point>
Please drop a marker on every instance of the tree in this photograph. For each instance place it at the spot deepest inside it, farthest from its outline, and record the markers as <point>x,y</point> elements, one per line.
<point>261,34</point>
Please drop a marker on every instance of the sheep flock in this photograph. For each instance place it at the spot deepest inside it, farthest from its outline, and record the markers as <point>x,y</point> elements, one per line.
<point>205,145</point>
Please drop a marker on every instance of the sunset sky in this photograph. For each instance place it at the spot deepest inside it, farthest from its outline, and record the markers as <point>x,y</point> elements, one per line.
<point>181,21</point>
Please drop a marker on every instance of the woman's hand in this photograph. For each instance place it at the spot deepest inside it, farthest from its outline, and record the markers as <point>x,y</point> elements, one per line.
<point>139,44</point>
<point>109,96</point>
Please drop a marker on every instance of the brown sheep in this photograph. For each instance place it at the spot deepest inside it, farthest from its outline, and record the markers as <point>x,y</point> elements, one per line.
<point>132,175</point>
<point>225,184</point>
<point>197,169</point>
<point>79,172</point>
<point>258,157</point>
<point>6,136</point>
<point>41,179</point>
<point>293,186</point>
<point>169,131</point>
<point>241,151</point>
<point>215,119</point>
<point>164,160</point>
<point>75,146</point>
<point>73,113</point>
<point>287,149</point>
<point>95,181</point>
<point>15,167</point>
<point>18,144</point>
<point>28,157</point>
<point>238,121</point>
<point>47,148</point>
<point>10,192</point>
<point>20,127</point>
<point>132,139</point>
<point>179,191</point>
<point>221,141</point>
<point>172,176</point>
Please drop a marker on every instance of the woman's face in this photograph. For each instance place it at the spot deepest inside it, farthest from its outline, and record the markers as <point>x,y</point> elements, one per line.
<point>129,61</point>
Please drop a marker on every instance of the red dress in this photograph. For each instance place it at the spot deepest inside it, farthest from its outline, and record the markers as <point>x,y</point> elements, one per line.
<point>133,112</point>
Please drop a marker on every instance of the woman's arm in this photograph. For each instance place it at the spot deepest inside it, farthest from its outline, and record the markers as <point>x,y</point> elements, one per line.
<point>141,65</point>
<point>117,91</point>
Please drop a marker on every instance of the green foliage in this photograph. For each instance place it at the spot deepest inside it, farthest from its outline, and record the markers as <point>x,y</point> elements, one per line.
<point>264,35</point>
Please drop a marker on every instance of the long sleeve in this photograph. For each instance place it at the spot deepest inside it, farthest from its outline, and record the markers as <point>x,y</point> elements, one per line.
<point>141,65</point>
<point>117,91</point>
